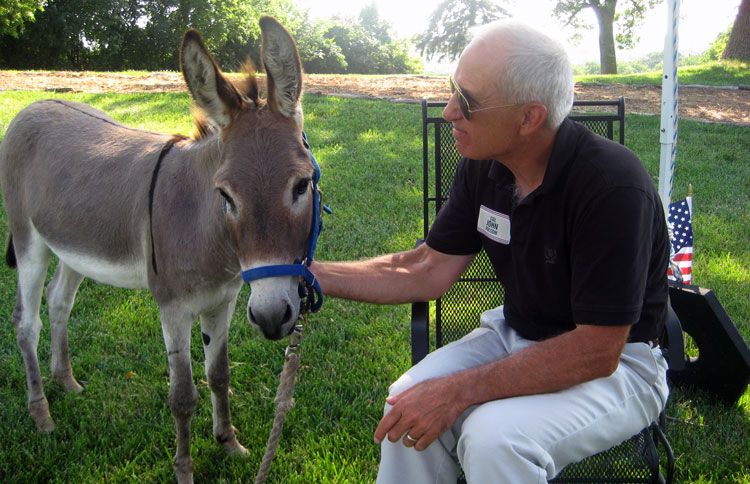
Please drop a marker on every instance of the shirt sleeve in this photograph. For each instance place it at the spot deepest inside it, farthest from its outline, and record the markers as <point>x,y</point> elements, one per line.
<point>610,255</point>
<point>454,230</point>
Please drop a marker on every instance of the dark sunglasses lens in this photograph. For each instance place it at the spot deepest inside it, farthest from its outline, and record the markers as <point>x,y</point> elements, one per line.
<point>462,102</point>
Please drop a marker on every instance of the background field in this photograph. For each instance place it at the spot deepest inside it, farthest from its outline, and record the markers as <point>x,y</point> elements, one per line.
<point>120,428</point>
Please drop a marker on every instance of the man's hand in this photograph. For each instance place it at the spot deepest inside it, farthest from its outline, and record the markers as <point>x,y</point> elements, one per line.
<point>423,412</point>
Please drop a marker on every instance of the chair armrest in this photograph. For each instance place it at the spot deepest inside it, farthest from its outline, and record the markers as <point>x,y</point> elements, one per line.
<point>673,341</point>
<point>420,327</point>
<point>420,331</point>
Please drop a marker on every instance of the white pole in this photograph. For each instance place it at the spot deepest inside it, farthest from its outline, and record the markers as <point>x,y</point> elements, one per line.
<point>669,111</point>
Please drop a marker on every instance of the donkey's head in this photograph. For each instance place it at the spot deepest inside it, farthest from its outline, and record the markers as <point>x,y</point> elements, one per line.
<point>265,171</point>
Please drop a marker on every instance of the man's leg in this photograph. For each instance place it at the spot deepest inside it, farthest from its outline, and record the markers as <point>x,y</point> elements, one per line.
<point>437,463</point>
<point>531,439</point>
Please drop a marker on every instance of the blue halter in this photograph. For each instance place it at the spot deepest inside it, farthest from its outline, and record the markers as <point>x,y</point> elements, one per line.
<point>311,289</point>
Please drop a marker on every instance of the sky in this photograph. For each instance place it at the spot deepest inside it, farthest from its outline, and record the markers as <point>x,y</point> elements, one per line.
<point>700,22</point>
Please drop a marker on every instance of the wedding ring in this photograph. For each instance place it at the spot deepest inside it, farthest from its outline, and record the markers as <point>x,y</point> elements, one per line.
<point>410,438</point>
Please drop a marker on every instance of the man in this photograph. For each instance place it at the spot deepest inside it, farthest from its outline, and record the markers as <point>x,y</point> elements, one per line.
<point>570,365</point>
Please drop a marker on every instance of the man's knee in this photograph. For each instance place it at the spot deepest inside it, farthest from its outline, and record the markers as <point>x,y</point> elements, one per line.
<point>484,444</point>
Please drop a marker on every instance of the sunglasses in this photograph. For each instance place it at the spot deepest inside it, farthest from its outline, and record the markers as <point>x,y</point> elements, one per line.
<point>463,103</point>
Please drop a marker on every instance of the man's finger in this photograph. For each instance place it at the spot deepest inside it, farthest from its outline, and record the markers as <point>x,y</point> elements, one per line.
<point>385,425</point>
<point>427,438</point>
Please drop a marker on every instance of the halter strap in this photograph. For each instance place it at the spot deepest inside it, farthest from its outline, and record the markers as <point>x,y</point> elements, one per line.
<point>154,176</point>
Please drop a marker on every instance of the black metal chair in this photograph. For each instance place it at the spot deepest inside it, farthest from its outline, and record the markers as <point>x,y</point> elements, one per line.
<point>457,312</point>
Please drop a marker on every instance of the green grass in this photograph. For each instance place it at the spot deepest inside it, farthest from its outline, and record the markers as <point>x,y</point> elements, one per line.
<point>723,73</point>
<point>120,428</point>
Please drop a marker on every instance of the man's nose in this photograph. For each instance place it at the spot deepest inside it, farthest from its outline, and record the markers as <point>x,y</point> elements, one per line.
<point>451,111</point>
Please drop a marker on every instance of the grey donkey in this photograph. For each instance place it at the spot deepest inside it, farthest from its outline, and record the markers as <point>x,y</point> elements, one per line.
<point>182,217</point>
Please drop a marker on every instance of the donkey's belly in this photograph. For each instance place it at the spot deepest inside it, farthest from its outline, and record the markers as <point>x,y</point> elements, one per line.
<point>129,274</point>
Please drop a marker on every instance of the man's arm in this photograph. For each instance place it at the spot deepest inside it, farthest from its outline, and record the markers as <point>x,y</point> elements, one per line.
<point>420,274</point>
<point>428,409</point>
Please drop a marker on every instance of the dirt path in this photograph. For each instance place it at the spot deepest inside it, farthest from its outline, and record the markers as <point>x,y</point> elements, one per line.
<point>696,102</point>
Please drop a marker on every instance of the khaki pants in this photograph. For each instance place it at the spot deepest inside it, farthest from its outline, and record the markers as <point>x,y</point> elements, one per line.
<point>526,439</point>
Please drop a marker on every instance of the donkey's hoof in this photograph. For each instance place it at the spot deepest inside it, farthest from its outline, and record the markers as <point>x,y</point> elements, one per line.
<point>39,411</point>
<point>235,449</point>
<point>45,425</point>
<point>73,386</point>
<point>183,471</point>
<point>70,385</point>
<point>230,444</point>
<point>184,477</point>
<point>64,377</point>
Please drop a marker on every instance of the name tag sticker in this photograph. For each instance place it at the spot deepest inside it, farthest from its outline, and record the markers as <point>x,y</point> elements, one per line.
<point>494,225</point>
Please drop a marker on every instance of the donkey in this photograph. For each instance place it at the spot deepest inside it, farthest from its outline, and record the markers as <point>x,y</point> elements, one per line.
<point>182,217</point>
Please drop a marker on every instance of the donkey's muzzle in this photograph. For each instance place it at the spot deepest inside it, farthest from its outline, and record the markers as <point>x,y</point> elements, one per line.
<point>273,324</point>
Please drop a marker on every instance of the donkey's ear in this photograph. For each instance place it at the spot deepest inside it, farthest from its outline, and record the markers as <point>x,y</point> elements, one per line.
<point>212,92</point>
<point>283,69</point>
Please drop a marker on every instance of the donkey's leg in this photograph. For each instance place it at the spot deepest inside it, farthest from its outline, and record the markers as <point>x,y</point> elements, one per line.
<point>215,328</point>
<point>61,293</point>
<point>33,258</point>
<point>183,395</point>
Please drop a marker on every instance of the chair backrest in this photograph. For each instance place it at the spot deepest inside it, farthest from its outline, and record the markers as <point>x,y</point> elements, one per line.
<point>457,312</point>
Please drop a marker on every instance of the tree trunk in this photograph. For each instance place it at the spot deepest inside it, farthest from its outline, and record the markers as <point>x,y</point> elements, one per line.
<point>738,46</point>
<point>605,14</point>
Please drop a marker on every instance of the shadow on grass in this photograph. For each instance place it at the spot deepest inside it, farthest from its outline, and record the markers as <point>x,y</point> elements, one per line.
<point>709,438</point>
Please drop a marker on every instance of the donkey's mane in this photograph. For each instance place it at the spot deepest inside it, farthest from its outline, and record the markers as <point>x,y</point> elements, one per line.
<point>247,87</point>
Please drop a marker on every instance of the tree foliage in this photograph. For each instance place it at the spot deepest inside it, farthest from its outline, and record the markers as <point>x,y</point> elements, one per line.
<point>368,46</point>
<point>145,34</point>
<point>15,13</point>
<point>627,17</point>
<point>718,46</point>
<point>738,45</point>
<point>448,31</point>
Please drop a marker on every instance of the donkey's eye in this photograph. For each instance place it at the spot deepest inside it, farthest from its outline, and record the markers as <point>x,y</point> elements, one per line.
<point>228,202</point>
<point>301,188</point>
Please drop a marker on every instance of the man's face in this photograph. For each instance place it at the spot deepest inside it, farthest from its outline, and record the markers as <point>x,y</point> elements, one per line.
<point>489,133</point>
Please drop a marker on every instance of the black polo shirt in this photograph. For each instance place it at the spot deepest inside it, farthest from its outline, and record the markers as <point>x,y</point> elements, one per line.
<point>589,246</point>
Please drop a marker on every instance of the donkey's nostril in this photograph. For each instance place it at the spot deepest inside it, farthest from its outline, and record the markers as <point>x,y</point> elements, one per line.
<point>251,315</point>
<point>288,313</point>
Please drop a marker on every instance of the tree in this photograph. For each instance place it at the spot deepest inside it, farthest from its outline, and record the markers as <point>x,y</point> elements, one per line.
<point>716,50</point>
<point>629,17</point>
<point>145,34</point>
<point>369,19</point>
<point>15,13</point>
<point>448,30</point>
<point>367,45</point>
<point>738,47</point>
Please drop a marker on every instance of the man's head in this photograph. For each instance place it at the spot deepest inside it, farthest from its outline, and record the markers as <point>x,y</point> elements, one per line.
<point>511,76</point>
<point>529,67</point>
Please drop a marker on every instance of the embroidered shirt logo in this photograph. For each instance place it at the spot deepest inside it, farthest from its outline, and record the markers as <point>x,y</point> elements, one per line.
<point>494,225</point>
<point>550,255</point>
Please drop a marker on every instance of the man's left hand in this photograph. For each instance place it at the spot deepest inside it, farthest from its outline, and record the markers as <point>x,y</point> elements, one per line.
<point>423,412</point>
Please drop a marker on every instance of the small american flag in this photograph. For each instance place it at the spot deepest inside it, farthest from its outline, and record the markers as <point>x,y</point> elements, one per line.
<point>681,234</point>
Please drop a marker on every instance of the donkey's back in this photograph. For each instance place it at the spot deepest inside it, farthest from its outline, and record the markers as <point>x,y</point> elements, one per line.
<point>78,180</point>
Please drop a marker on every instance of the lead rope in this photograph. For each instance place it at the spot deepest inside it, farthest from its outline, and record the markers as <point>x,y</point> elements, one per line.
<point>284,401</point>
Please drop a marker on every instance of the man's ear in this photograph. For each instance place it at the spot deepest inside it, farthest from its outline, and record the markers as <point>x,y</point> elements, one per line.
<point>534,118</point>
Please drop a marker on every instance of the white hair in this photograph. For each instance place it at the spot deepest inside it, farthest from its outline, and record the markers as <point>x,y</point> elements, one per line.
<point>536,68</point>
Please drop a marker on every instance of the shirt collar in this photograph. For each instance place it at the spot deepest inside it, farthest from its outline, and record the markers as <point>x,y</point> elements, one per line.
<point>562,153</point>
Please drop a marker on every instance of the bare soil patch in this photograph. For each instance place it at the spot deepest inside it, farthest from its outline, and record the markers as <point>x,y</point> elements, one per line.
<point>715,104</point>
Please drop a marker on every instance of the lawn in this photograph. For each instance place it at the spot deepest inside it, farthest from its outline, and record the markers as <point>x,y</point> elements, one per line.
<point>724,73</point>
<point>120,428</point>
